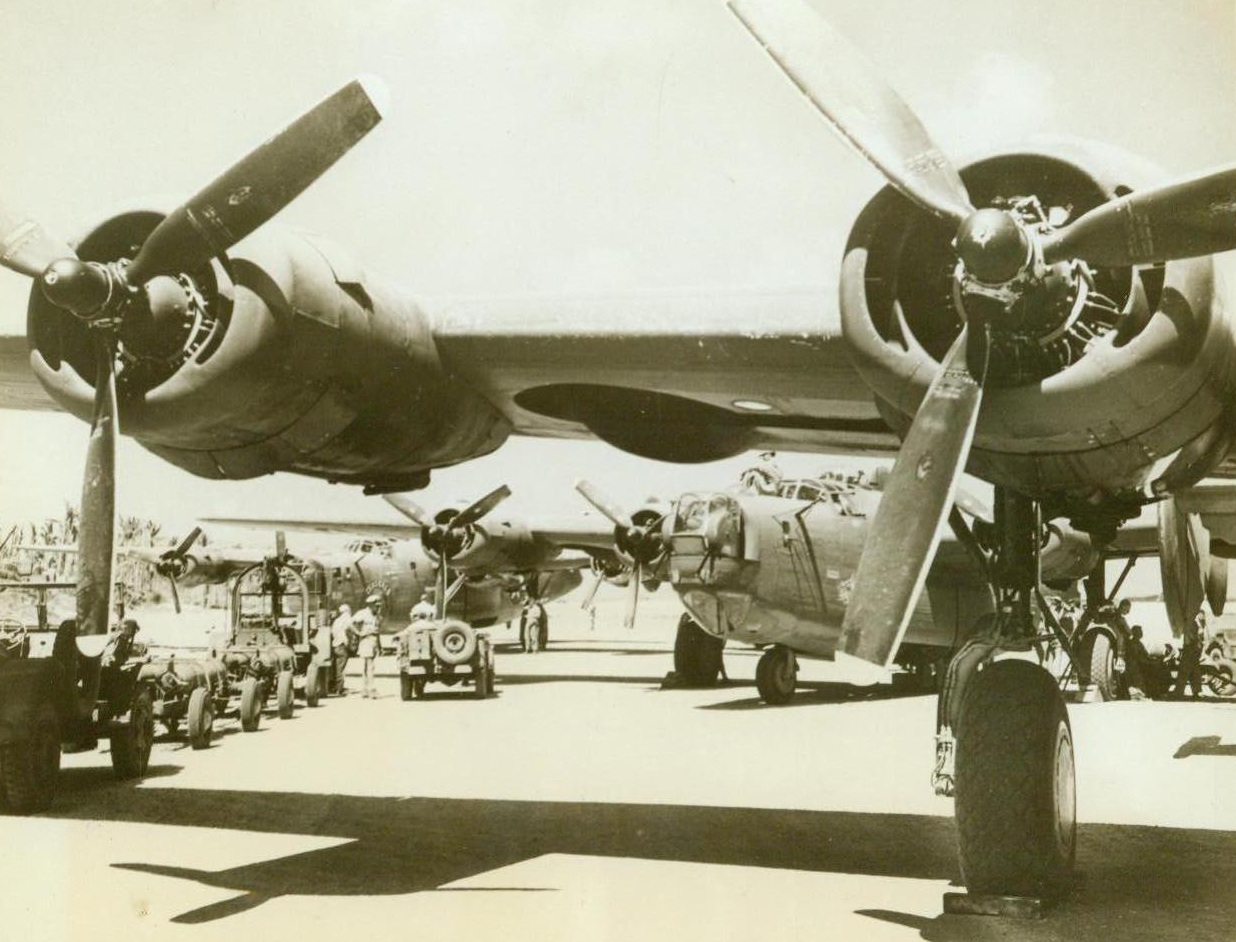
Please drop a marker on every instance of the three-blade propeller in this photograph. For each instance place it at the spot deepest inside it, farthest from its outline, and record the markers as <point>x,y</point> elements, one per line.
<point>1186,218</point>
<point>448,535</point>
<point>637,537</point>
<point>172,564</point>
<point>234,204</point>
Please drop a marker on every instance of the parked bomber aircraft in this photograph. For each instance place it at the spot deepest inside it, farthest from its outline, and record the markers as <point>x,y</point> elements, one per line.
<point>1047,318</point>
<point>496,567</point>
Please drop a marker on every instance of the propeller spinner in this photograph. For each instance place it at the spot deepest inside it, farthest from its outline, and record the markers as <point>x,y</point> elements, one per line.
<point>105,296</point>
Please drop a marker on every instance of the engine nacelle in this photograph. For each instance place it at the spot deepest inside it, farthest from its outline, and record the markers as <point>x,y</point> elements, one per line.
<point>290,358</point>
<point>1117,405</point>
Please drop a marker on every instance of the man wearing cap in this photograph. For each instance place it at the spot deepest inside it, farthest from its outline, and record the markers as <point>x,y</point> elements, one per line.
<point>365,624</point>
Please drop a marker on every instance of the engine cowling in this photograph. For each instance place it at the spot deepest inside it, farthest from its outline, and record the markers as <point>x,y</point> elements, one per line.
<point>1092,409</point>
<point>290,357</point>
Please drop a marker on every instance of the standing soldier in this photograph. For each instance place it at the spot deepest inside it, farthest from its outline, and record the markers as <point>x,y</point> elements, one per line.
<point>340,630</point>
<point>365,625</point>
<point>1191,657</point>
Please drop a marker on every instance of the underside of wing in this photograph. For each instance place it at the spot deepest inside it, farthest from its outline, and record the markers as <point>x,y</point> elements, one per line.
<point>390,531</point>
<point>674,377</point>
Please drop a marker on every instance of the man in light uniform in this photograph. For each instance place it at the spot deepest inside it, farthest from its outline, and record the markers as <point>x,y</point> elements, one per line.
<point>340,631</point>
<point>424,610</point>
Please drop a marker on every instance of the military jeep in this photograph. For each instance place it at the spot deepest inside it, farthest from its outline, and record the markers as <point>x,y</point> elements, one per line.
<point>447,652</point>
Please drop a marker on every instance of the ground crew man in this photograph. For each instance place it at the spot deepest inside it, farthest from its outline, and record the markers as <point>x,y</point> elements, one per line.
<point>340,632</point>
<point>424,610</point>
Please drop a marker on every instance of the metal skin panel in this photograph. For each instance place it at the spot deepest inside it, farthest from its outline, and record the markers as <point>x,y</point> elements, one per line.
<point>339,381</point>
<point>796,590</point>
<point>1134,417</point>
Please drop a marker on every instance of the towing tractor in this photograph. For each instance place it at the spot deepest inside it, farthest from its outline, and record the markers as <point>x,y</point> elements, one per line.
<point>63,692</point>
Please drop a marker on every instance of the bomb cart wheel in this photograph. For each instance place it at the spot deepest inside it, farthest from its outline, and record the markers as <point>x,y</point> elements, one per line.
<point>30,771</point>
<point>251,697</point>
<point>313,684</point>
<point>454,642</point>
<point>1015,797</point>
<point>132,740</point>
<point>200,718</point>
<point>776,675</point>
<point>1103,674</point>
<point>285,695</point>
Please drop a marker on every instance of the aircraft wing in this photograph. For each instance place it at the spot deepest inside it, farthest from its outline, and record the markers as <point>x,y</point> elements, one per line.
<point>659,373</point>
<point>374,528</point>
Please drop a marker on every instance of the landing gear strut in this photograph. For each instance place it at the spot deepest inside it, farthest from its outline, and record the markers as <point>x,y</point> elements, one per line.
<point>1004,747</point>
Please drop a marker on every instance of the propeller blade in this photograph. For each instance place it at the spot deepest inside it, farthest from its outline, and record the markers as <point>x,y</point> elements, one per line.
<point>443,578</point>
<point>259,185</point>
<point>410,509</point>
<point>863,108</point>
<point>628,618</point>
<point>1184,551</point>
<point>479,508</point>
<point>96,533</point>
<point>600,500</point>
<point>1216,584</point>
<point>1182,219</point>
<point>186,544</point>
<point>917,496</point>
<point>590,599</point>
<point>281,544</point>
<point>25,246</point>
<point>175,594</point>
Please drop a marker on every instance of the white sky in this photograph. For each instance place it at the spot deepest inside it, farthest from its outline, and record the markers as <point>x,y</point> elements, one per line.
<point>557,146</point>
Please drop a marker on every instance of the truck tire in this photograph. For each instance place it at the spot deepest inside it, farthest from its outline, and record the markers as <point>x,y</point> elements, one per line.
<point>201,718</point>
<point>1015,800</point>
<point>313,683</point>
<point>250,704</point>
<point>285,695</point>
<point>131,742</point>
<point>454,642</point>
<point>30,771</point>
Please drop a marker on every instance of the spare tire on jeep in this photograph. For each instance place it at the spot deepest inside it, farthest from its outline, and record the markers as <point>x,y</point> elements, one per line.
<point>454,642</point>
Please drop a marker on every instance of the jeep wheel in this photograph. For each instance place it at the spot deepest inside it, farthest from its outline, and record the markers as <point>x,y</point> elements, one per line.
<point>285,695</point>
<point>30,770</point>
<point>201,718</point>
<point>454,642</point>
<point>250,704</point>
<point>131,742</point>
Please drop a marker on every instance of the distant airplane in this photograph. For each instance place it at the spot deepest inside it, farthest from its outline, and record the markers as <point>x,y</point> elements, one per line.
<point>1048,318</point>
<point>485,569</point>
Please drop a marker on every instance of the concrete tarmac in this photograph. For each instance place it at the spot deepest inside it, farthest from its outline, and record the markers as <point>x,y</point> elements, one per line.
<point>583,802</point>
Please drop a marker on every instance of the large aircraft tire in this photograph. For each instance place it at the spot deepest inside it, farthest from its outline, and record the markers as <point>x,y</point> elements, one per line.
<point>250,704</point>
<point>201,718</point>
<point>30,770</point>
<point>1103,674</point>
<point>131,742</point>
<point>697,654</point>
<point>1015,795</point>
<point>543,635</point>
<point>454,642</point>
<point>776,675</point>
<point>285,695</point>
<point>313,683</point>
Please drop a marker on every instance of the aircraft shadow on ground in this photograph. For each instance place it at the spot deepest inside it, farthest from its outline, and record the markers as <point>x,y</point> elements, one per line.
<point>1205,746</point>
<point>1165,877</point>
<point>811,693</point>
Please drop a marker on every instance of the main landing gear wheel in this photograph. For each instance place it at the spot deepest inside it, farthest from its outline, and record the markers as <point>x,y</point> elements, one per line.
<point>285,695</point>
<point>776,675</point>
<point>131,742</point>
<point>1015,797</point>
<point>697,655</point>
<point>29,771</point>
<point>1107,680</point>
<point>250,704</point>
<point>201,718</point>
